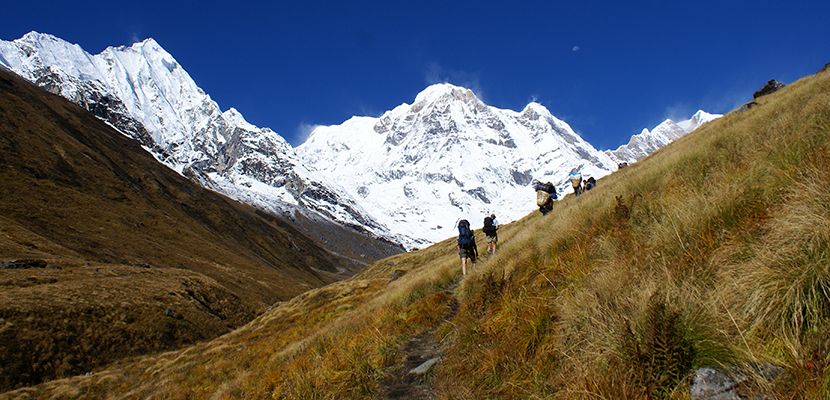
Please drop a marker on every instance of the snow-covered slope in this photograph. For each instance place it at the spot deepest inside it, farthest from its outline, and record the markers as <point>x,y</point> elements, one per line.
<point>145,93</point>
<point>447,156</point>
<point>701,117</point>
<point>647,142</point>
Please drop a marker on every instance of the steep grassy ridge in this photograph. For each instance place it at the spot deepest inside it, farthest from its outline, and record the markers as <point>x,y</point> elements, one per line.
<point>711,252</point>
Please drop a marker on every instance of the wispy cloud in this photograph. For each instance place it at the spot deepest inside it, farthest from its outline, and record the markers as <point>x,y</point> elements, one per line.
<point>722,100</point>
<point>368,110</point>
<point>677,112</point>
<point>435,73</point>
<point>303,132</point>
<point>729,101</point>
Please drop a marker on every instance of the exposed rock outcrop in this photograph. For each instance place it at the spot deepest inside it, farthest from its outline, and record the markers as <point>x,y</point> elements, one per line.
<point>771,87</point>
<point>22,264</point>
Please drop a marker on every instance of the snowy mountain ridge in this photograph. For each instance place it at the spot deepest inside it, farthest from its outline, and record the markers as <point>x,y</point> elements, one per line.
<point>647,142</point>
<point>142,91</point>
<point>406,176</point>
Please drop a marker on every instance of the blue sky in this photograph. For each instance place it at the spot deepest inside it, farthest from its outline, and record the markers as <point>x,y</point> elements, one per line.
<point>607,69</point>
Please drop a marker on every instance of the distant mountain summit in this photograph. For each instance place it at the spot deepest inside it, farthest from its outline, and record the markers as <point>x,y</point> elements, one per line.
<point>701,117</point>
<point>647,142</point>
<point>449,156</point>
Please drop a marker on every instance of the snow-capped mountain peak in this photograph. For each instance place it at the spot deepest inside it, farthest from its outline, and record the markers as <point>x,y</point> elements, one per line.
<point>445,93</point>
<point>448,156</point>
<point>699,118</point>
<point>143,91</point>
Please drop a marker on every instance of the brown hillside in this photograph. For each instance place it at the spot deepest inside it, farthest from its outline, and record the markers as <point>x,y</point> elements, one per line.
<point>710,254</point>
<point>98,240</point>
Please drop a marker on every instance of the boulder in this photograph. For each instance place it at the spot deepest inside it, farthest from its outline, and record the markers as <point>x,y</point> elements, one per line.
<point>711,384</point>
<point>744,108</point>
<point>771,87</point>
<point>23,264</point>
<point>171,313</point>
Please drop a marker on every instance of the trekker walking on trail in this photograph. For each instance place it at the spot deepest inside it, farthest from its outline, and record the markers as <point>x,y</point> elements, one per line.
<point>466,245</point>
<point>490,228</point>
<point>545,195</point>
<point>576,181</point>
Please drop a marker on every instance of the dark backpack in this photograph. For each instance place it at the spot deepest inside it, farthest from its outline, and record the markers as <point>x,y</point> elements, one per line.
<point>552,190</point>
<point>488,229</point>
<point>465,234</point>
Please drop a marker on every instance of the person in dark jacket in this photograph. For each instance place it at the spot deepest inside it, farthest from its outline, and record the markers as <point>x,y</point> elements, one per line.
<point>491,227</point>
<point>589,183</point>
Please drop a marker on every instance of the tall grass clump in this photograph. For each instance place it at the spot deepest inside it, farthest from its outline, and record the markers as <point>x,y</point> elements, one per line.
<point>659,354</point>
<point>785,287</point>
<point>777,279</point>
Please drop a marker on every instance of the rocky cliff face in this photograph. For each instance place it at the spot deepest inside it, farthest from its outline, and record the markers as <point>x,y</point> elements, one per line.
<point>144,92</point>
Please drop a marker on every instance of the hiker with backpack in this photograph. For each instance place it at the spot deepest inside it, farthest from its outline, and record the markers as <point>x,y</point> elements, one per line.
<point>466,245</point>
<point>545,195</point>
<point>576,181</point>
<point>490,228</point>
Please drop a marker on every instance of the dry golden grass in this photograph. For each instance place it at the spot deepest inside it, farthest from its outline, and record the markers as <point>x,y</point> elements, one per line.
<point>712,252</point>
<point>674,226</point>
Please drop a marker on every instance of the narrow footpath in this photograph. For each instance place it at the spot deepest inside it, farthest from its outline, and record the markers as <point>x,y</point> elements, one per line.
<point>422,352</point>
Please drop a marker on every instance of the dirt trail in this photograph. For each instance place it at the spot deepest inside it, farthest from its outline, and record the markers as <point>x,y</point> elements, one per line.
<point>408,382</point>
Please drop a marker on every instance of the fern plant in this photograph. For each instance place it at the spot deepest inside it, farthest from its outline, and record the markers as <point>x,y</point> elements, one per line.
<point>659,357</point>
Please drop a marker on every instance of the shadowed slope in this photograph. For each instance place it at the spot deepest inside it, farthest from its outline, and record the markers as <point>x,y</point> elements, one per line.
<point>98,239</point>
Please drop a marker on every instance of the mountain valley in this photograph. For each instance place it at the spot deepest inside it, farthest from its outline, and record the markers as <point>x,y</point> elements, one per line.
<point>154,246</point>
<point>98,241</point>
<point>698,272</point>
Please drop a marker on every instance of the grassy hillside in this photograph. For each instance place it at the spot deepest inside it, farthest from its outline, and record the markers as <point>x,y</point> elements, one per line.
<point>100,243</point>
<point>712,252</point>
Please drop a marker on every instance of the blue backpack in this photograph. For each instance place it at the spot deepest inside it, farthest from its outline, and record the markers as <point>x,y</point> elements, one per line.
<point>465,234</point>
